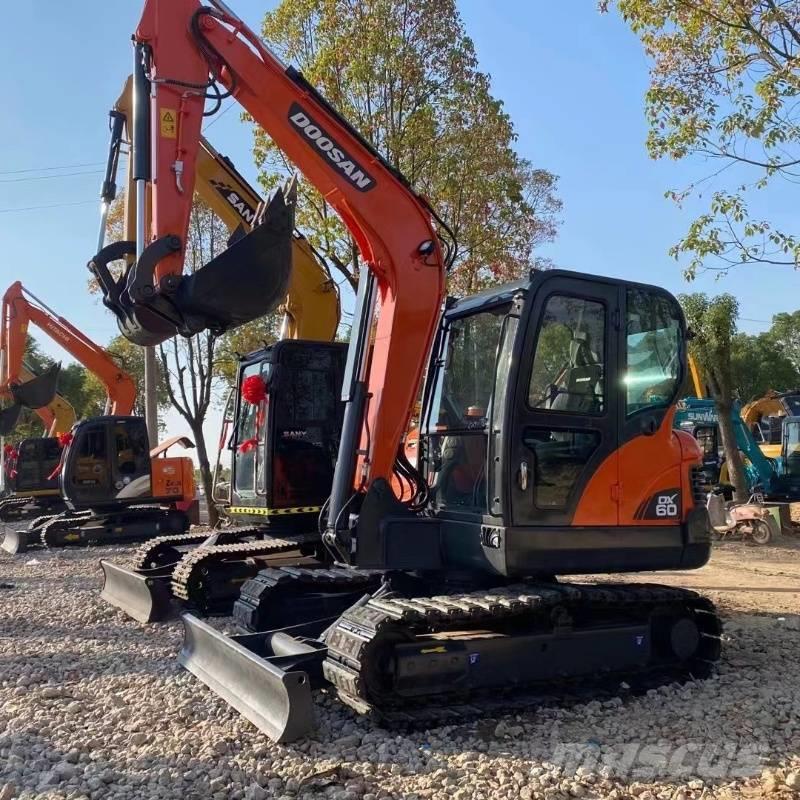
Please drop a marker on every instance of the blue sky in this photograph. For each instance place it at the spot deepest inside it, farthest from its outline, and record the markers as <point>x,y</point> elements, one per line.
<point>572,80</point>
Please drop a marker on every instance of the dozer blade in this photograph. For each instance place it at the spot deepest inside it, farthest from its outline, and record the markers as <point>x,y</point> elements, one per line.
<point>15,541</point>
<point>246,281</point>
<point>39,391</point>
<point>9,418</point>
<point>266,677</point>
<point>145,598</point>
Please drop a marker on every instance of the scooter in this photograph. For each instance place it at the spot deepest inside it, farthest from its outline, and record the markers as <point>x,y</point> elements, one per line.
<point>751,521</point>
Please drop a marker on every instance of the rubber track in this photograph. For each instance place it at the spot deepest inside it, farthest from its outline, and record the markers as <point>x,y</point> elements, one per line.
<point>148,552</point>
<point>355,641</point>
<point>257,590</point>
<point>82,517</point>
<point>196,560</point>
<point>13,502</point>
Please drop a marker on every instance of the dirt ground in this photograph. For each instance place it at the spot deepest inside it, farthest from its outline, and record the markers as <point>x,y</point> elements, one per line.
<point>743,577</point>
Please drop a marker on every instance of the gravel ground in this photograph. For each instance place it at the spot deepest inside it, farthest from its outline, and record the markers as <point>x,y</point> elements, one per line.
<point>95,706</point>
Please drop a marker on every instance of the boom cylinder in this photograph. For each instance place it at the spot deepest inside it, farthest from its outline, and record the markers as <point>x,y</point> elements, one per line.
<point>354,396</point>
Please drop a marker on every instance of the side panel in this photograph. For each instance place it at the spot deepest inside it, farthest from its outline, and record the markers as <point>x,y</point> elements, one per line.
<point>173,478</point>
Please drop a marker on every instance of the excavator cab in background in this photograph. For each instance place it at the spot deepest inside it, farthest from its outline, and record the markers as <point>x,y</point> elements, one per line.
<point>115,489</point>
<point>109,463</point>
<point>285,437</point>
<point>29,464</point>
<point>285,445</point>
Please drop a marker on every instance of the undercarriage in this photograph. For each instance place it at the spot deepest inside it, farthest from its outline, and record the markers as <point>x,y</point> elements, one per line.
<point>406,658</point>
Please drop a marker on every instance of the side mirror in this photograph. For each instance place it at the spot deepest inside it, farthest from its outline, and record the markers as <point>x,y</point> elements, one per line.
<point>222,492</point>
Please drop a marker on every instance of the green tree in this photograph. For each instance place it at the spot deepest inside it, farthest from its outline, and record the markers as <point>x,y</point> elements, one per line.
<point>723,86</point>
<point>760,363</point>
<point>785,332</point>
<point>243,340</point>
<point>406,75</point>
<point>713,322</point>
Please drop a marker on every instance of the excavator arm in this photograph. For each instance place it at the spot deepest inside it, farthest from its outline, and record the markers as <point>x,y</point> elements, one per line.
<point>187,52</point>
<point>21,309</point>
<point>311,307</point>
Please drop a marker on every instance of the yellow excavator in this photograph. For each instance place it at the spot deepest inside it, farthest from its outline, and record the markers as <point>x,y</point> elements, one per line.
<point>765,415</point>
<point>311,314</point>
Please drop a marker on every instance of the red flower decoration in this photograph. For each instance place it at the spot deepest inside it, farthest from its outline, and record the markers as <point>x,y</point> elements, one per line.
<point>9,450</point>
<point>65,439</point>
<point>254,390</point>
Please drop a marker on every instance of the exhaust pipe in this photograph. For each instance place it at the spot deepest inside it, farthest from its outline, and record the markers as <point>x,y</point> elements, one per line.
<point>38,392</point>
<point>266,677</point>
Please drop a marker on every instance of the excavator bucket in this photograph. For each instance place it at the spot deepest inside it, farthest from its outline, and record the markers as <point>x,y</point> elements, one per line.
<point>9,418</point>
<point>39,391</point>
<point>249,279</point>
<point>146,598</point>
<point>266,677</point>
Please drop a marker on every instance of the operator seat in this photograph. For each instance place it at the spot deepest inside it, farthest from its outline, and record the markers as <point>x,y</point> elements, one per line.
<point>579,387</point>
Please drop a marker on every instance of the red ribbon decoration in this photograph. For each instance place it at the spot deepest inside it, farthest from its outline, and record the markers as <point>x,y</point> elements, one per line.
<point>248,445</point>
<point>254,390</point>
<point>65,439</point>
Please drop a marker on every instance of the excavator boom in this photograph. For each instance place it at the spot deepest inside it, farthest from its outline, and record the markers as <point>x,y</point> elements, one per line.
<point>20,309</point>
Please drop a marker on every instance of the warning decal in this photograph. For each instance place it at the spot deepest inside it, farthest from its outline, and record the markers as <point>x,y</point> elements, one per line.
<point>169,122</point>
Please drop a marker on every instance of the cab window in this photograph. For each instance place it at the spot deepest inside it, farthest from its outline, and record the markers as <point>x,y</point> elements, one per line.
<point>568,372</point>
<point>653,350</point>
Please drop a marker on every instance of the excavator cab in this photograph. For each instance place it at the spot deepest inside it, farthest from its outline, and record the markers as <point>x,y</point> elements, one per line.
<point>790,448</point>
<point>107,463</point>
<point>35,465</point>
<point>544,432</point>
<point>286,433</point>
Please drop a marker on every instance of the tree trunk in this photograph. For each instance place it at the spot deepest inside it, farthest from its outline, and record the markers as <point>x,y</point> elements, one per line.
<point>732,454</point>
<point>206,476</point>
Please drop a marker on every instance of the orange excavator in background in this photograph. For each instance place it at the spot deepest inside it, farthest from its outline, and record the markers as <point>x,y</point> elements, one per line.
<point>99,484</point>
<point>36,487</point>
<point>546,441</point>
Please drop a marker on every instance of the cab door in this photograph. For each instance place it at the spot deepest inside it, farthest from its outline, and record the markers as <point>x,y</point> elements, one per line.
<point>565,413</point>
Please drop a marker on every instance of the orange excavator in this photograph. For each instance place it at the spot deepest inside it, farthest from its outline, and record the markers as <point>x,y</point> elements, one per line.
<point>97,486</point>
<point>31,463</point>
<point>546,444</point>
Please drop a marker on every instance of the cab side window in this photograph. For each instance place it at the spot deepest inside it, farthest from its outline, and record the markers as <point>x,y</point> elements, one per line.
<point>653,350</point>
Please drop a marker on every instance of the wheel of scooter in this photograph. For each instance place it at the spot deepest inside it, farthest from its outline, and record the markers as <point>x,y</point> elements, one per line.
<point>761,533</point>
